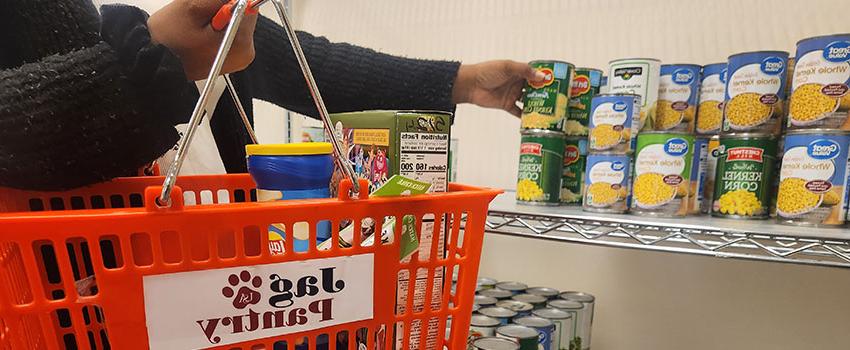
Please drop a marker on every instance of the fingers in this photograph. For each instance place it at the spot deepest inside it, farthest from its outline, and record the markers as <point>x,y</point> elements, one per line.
<point>525,71</point>
<point>512,97</point>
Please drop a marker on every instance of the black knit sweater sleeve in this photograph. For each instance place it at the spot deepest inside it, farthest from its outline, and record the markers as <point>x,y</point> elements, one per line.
<point>351,78</point>
<point>93,110</point>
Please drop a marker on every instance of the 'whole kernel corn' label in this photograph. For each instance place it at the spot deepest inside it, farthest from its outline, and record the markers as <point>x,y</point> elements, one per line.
<point>712,92</point>
<point>813,178</point>
<point>545,103</point>
<point>820,92</point>
<point>572,183</point>
<point>662,173</point>
<point>678,91</point>
<point>607,183</point>
<point>613,125</point>
<point>584,86</point>
<point>755,92</point>
<point>745,166</point>
<point>541,162</point>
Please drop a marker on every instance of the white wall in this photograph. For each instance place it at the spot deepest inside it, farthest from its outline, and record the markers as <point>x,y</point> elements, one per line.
<point>655,301</point>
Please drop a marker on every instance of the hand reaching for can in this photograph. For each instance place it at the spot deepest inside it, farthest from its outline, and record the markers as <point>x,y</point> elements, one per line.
<point>184,27</point>
<point>494,84</point>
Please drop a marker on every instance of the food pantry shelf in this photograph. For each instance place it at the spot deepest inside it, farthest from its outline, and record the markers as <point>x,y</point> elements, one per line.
<point>701,235</point>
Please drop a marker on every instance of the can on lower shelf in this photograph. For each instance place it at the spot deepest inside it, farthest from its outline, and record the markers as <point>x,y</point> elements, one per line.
<point>710,172</point>
<point>549,293</point>
<point>607,182</point>
<point>513,287</point>
<point>813,179</point>
<point>484,300</point>
<point>541,163</point>
<point>755,92</point>
<point>544,327</point>
<point>522,308</point>
<point>545,103</point>
<point>535,300</point>
<point>662,174</point>
<point>563,326</point>
<point>572,182</point>
<point>502,314</point>
<point>613,123</point>
<point>585,84</point>
<point>678,91</point>
<point>487,283</point>
<point>524,336</point>
<point>573,308</point>
<point>493,343</point>
<point>482,326</point>
<point>496,293</point>
<point>745,166</point>
<point>586,315</point>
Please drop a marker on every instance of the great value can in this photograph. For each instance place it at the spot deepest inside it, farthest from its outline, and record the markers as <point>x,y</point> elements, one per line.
<point>563,321</point>
<point>745,166</point>
<point>813,178</point>
<point>586,315</point>
<point>820,91</point>
<point>482,326</point>
<point>572,182</point>
<point>545,103</point>
<point>612,126</point>
<point>526,337</point>
<point>541,163</point>
<point>662,174</point>
<point>712,93</point>
<point>607,183</point>
<point>545,329</point>
<point>699,170</point>
<point>678,91</point>
<point>637,76</point>
<point>710,172</point>
<point>584,86</point>
<point>522,308</point>
<point>755,92</point>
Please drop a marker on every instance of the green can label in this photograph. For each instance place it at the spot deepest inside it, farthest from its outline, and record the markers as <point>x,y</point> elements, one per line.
<point>662,173</point>
<point>745,168</point>
<point>541,160</point>
<point>572,183</point>
<point>584,86</point>
<point>545,103</point>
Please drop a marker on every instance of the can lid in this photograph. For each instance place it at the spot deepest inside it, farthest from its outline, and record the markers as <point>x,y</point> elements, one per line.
<point>475,307</point>
<point>845,35</point>
<point>565,304</point>
<point>553,61</point>
<point>578,296</point>
<point>817,131</point>
<point>484,300</point>
<point>486,281</point>
<point>715,64</point>
<point>533,321</point>
<point>529,298</point>
<point>517,331</point>
<point>542,133</point>
<point>552,313</point>
<point>497,311</point>
<point>483,321</point>
<point>496,293</point>
<point>682,64</point>
<point>516,305</point>
<point>290,149</point>
<point>493,343</point>
<point>760,51</point>
<point>511,286</point>
<point>747,135</point>
<point>590,69</point>
<point>544,291</point>
<point>635,59</point>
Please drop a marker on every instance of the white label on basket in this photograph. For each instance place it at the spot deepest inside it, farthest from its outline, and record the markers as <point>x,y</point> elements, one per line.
<point>201,309</point>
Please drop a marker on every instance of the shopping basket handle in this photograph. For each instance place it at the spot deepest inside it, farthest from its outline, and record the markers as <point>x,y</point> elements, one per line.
<point>223,16</point>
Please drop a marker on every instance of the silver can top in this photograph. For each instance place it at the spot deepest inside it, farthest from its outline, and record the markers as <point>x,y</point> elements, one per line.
<point>565,304</point>
<point>518,306</point>
<point>530,298</point>
<point>552,314</point>
<point>533,321</point>
<point>484,321</point>
<point>543,291</point>
<point>515,331</point>
<point>578,296</point>
<point>496,293</point>
<point>484,300</point>
<point>497,312</point>
<point>484,281</point>
<point>512,286</point>
<point>493,343</point>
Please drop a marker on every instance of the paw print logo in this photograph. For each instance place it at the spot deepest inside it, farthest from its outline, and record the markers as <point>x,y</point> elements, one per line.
<point>245,295</point>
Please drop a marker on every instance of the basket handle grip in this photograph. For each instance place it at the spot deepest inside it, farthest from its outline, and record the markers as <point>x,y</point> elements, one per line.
<point>346,186</point>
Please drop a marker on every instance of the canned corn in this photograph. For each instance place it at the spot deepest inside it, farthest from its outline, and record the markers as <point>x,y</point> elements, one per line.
<point>711,95</point>
<point>820,92</point>
<point>710,172</point>
<point>698,174</point>
<point>637,76</point>
<point>541,163</point>
<point>755,92</point>
<point>607,183</point>
<point>662,174</point>
<point>545,103</point>
<point>584,86</point>
<point>745,166</point>
<point>813,178</point>
<point>612,126</point>
<point>572,182</point>
<point>678,90</point>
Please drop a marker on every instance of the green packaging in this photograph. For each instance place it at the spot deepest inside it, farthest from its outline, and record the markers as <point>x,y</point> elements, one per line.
<point>585,85</point>
<point>745,172</point>
<point>541,163</point>
<point>545,103</point>
<point>572,182</point>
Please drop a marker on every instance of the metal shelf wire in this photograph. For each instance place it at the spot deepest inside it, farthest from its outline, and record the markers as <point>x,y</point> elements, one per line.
<point>700,235</point>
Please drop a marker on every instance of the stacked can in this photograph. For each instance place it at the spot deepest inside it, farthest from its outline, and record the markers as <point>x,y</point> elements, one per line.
<point>614,123</point>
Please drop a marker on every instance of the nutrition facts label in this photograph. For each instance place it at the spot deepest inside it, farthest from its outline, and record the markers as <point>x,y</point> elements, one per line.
<point>425,157</point>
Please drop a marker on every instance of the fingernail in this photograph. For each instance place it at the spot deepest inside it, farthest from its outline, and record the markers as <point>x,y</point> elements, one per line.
<point>538,75</point>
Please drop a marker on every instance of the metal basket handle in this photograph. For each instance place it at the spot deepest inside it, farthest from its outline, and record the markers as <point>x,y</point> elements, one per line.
<point>238,11</point>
